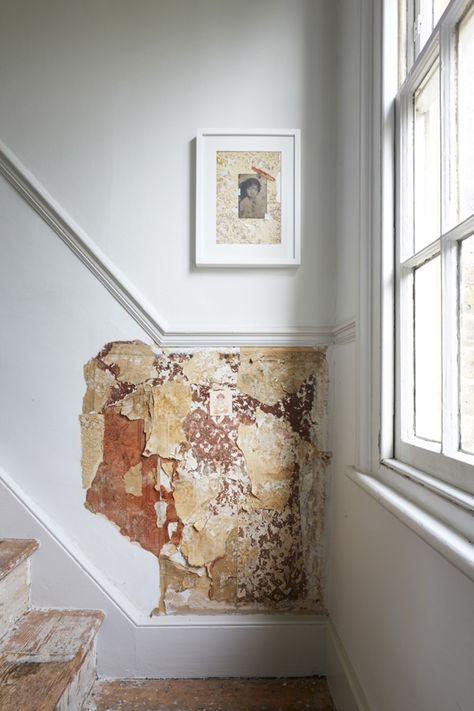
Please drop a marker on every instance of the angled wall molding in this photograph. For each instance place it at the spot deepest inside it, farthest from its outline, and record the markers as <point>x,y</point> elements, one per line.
<point>345,332</point>
<point>115,281</point>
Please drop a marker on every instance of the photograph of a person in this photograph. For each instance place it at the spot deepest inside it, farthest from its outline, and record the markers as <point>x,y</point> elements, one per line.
<point>252,196</point>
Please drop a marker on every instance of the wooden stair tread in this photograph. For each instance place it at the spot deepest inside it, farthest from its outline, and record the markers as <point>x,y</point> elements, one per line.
<point>14,551</point>
<point>309,694</point>
<point>41,655</point>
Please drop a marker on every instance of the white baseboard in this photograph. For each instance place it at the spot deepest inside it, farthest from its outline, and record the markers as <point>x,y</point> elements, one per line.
<point>248,646</point>
<point>344,685</point>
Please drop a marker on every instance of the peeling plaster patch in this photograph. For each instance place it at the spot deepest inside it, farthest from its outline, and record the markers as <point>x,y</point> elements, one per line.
<point>92,435</point>
<point>210,367</point>
<point>231,503</point>
<point>133,480</point>
<point>100,383</point>
<point>268,374</point>
<point>171,403</point>
<point>177,581</point>
<point>134,360</point>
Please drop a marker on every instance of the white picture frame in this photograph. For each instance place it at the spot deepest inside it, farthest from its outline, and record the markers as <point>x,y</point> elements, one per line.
<point>227,233</point>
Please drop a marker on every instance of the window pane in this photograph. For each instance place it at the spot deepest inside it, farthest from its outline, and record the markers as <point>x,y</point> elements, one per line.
<point>427,207</point>
<point>427,340</point>
<point>423,23</point>
<point>439,6</point>
<point>466,116</point>
<point>466,303</point>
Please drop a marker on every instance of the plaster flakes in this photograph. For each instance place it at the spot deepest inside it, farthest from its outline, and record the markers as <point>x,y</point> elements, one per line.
<point>202,547</point>
<point>176,578</point>
<point>135,361</point>
<point>133,480</point>
<point>271,373</point>
<point>210,367</point>
<point>172,529</point>
<point>92,435</point>
<point>269,450</point>
<point>193,601</point>
<point>171,403</point>
<point>100,383</point>
<point>223,572</point>
<point>161,508</point>
<point>164,481</point>
<point>268,497</point>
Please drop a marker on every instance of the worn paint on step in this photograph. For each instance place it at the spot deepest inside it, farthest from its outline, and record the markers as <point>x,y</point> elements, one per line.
<point>42,656</point>
<point>13,551</point>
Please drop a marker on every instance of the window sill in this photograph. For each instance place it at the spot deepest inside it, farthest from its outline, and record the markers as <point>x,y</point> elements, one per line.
<point>443,521</point>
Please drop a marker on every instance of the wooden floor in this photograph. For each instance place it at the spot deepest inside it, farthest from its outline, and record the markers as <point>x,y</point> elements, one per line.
<point>212,695</point>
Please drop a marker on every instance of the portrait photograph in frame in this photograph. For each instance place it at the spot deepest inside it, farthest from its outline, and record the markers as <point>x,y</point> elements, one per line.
<point>248,198</point>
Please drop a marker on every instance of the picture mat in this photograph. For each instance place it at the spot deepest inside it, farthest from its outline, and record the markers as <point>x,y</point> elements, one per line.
<point>231,227</point>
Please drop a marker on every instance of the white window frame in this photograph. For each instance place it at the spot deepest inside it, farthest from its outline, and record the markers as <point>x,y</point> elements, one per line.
<point>449,465</point>
<point>438,508</point>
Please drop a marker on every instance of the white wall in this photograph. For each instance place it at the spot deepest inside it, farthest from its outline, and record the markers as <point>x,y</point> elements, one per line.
<point>403,614</point>
<point>347,160</point>
<point>101,101</point>
<point>53,316</point>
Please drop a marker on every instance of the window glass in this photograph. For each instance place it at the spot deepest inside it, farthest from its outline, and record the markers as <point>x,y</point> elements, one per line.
<point>427,14</point>
<point>427,356</point>
<point>466,305</point>
<point>439,6</point>
<point>465,116</point>
<point>427,161</point>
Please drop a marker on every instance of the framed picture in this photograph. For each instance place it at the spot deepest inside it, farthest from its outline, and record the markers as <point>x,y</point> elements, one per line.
<point>248,198</point>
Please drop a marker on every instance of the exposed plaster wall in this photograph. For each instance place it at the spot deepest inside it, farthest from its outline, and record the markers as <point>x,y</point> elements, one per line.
<point>215,462</point>
<point>102,100</point>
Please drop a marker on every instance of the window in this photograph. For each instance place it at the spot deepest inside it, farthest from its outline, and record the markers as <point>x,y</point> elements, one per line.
<point>434,423</point>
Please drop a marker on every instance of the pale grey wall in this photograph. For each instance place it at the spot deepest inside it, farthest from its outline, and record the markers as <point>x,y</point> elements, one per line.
<point>101,100</point>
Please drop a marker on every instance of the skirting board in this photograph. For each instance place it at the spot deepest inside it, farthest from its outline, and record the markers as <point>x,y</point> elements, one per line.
<point>344,686</point>
<point>280,646</point>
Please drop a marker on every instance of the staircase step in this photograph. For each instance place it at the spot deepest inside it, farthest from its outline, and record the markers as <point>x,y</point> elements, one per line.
<point>47,663</point>
<point>310,694</point>
<point>14,580</point>
<point>14,551</point>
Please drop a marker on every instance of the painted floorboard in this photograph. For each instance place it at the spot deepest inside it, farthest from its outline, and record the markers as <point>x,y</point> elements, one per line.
<point>211,695</point>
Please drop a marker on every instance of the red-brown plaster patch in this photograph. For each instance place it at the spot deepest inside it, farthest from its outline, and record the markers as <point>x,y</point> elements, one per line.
<point>124,441</point>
